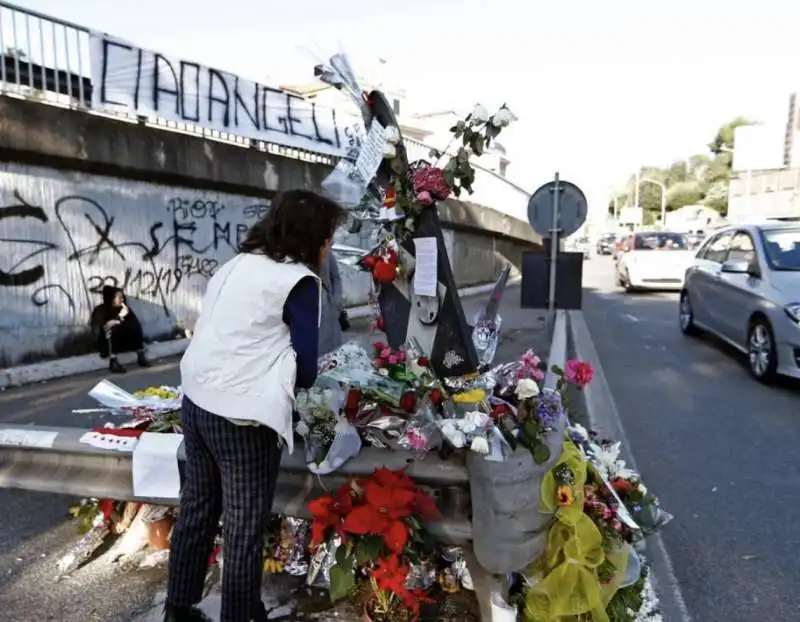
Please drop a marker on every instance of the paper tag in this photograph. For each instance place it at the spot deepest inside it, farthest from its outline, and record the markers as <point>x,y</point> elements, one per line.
<point>426,269</point>
<point>155,466</point>
<point>27,438</point>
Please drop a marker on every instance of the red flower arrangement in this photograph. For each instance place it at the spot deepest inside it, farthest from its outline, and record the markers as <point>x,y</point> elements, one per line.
<point>579,373</point>
<point>382,267</point>
<point>389,592</point>
<point>430,185</point>
<point>375,517</point>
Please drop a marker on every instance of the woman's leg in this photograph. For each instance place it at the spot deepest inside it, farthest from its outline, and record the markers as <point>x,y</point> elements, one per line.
<point>112,338</point>
<point>200,509</point>
<point>249,458</point>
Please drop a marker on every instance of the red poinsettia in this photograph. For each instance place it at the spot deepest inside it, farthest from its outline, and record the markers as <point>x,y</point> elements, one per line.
<point>329,511</point>
<point>389,584</point>
<point>382,515</point>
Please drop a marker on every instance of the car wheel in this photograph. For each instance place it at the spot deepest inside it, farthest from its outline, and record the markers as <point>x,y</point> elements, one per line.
<point>762,354</point>
<point>686,315</point>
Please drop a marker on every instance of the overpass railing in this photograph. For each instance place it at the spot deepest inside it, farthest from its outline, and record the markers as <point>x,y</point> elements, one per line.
<point>47,59</point>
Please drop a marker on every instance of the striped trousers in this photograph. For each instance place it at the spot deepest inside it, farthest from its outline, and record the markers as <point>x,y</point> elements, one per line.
<point>231,471</point>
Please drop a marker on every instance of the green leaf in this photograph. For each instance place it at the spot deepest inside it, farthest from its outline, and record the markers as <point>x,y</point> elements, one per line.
<point>342,581</point>
<point>557,370</point>
<point>531,430</point>
<point>342,556</point>
<point>541,453</point>
<point>368,550</point>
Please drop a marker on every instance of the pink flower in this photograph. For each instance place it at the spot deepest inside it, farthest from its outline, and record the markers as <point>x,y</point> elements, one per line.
<point>617,525</point>
<point>386,353</point>
<point>579,373</point>
<point>424,198</point>
<point>377,362</point>
<point>538,374</point>
<point>529,359</point>
<point>607,512</point>
<point>393,360</point>
<point>401,356</point>
<point>431,180</point>
<point>416,439</point>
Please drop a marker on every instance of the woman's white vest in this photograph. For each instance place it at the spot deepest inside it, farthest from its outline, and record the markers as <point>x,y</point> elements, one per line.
<point>240,363</point>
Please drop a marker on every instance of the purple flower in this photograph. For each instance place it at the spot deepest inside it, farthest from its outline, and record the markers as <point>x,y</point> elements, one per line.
<point>549,409</point>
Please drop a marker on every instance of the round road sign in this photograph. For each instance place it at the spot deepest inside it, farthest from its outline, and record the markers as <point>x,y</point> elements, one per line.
<point>572,209</point>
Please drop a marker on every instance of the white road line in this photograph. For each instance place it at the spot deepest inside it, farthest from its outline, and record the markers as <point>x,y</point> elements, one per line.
<point>630,317</point>
<point>604,418</point>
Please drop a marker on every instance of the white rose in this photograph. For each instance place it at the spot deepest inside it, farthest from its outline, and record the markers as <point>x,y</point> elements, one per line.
<point>479,445</point>
<point>457,439</point>
<point>479,115</point>
<point>383,371</point>
<point>301,428</point>
<point>503,118</point>
<point>392,135</point>
<point>410,224</point>
<point>389,151</point>
<point>526,388</point>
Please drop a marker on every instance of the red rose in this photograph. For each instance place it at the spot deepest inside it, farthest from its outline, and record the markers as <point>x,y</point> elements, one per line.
<point>379,323</point>
<point>369,262</point>
<point>408,402</point>
<point>436,396</point>
<point>499,410</point>
<point>423,361</point>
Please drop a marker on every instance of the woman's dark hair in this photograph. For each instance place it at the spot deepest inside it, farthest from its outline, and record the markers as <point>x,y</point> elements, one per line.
<point>295,228</point>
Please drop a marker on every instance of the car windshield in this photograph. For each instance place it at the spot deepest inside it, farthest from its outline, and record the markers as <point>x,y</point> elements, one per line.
<point>782,248</point>
<point>659,241</point>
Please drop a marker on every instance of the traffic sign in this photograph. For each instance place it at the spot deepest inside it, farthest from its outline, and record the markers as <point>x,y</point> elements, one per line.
<point>572,209</point>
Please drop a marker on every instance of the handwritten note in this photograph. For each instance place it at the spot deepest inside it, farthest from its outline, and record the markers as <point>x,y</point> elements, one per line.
<point>155,466</point>
<point>371,154</point>
<point>27,438</point>
<point>426,271</point>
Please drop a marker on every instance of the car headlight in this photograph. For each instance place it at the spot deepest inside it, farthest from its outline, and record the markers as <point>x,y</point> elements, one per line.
<point>793,311</point>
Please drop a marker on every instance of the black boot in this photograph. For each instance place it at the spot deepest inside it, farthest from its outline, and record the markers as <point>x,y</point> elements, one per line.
<point>261,614</point>
<point>142,359</point>
<point>173,613</point>
<point>114,366</point>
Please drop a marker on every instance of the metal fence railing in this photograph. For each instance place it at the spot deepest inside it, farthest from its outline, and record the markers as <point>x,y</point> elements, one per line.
<point>48,60</point>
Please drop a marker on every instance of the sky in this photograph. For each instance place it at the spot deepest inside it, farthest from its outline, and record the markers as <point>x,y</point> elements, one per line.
<point>600,88</point>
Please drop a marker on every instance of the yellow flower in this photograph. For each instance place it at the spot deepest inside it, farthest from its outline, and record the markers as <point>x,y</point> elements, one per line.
<point>473,396</point>
<point>564,496</point>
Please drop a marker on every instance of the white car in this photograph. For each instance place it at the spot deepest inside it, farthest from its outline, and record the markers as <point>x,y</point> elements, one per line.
<point>654,260</point>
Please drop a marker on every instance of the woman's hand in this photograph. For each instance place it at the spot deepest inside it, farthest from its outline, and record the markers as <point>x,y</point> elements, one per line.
<point>123,310</point>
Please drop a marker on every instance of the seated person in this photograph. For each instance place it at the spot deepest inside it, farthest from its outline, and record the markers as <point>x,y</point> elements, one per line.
<point>117,329</point>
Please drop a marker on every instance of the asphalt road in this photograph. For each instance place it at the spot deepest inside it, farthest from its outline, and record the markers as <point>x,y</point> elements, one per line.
<point>719,449</point>
<point>35,529</point>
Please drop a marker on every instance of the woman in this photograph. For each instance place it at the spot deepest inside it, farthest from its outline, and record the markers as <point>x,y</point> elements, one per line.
<point>334,317</point>
<point>254,342</point>
<point>117,329</point>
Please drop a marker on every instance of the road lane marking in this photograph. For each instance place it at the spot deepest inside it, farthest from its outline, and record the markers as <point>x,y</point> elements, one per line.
<point>631,317</point>
<point>604,418</point>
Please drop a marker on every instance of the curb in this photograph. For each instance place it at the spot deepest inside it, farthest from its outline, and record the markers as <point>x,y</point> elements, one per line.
<point>603,415</point>
<point>74,365</point>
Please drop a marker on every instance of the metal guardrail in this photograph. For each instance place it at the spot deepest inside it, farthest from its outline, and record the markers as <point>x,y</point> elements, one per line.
<point>47,59</point>
<point>72,468</point>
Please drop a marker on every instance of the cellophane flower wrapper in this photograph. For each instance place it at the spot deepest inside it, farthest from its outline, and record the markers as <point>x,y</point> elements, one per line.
<point>344,185</point>
<point>421,575</point>
<point>350,355</point>
<point>292,549</point>
<point>485,337</point>
<point>322,560</point>
<point>317,409</point>
<point>455,557</point>
<point>386,432</point>
<point>422,432</point>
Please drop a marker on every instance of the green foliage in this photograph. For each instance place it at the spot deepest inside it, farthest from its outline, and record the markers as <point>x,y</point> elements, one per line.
<point>699,179</point>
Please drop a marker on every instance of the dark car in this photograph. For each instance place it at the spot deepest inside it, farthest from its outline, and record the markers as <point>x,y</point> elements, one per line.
<point>605,244</point>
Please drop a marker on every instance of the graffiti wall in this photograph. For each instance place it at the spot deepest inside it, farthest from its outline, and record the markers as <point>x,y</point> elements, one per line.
<point>64,235</point>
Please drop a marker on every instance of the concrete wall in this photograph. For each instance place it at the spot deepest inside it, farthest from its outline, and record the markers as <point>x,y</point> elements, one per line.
<point>86,201</point>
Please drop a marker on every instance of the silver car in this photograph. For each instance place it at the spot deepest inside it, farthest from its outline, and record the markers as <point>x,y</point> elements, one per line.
<point>744,287</point>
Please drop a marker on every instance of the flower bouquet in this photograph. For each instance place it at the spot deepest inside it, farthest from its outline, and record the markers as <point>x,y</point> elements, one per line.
<point>376,526</point>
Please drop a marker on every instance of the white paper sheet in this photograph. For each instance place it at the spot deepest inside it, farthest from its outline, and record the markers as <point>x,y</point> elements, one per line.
<point>27,438</point>
<point>155,466</point>
<point>425,273</point>
<point>371,154</point>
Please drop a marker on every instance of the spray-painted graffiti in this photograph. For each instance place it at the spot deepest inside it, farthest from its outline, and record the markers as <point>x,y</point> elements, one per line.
<point>64,235</point>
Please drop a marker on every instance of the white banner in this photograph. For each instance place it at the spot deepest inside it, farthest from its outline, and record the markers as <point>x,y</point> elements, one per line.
<point>150,84</point>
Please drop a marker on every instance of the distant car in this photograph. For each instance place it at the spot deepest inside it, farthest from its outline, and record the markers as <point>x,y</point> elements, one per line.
<point>654,260</point>
<point>696,238</point>
<point>605,244</point>
<point>582,245</point>
<point>744,287</point>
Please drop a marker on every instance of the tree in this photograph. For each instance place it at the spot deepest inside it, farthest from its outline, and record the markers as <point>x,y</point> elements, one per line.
<point>699,179</point>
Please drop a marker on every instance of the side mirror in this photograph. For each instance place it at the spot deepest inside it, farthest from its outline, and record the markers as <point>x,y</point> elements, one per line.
<point>740,267</point>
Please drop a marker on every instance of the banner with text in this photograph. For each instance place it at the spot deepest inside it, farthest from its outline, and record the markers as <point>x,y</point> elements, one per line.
<point>150,84</point>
